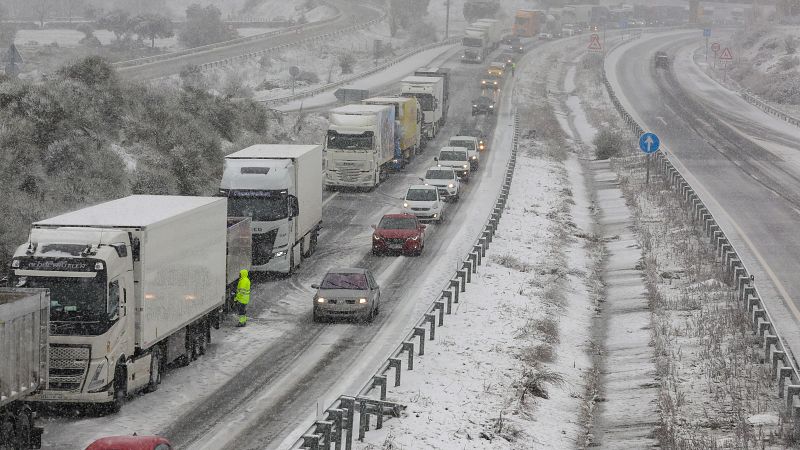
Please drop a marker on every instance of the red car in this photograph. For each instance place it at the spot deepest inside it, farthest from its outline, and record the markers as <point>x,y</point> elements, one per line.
<point>130,443</point>
<point>401,233</point>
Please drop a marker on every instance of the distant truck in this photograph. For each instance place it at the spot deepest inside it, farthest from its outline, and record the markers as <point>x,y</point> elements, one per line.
<point>661,60</point>
<point>408,127</point>
<point>135,284</point>
<point>475,45</point>
<point>429,91</point>
<point>24,322</point>
<point>359,145</point>
<point>493,29</point>
<point>279,187</point>
<point>528,23</point>
<point>444,74</point>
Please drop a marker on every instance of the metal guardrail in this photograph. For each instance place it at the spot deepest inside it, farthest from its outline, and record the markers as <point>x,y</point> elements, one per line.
<point>776,353</point>
<point>376,69</point>
<point>193,50</point>
<point>769,109</point>
<point>338,426</point>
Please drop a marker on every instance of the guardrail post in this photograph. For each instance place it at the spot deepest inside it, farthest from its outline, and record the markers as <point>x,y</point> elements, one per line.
<point>396,363</point>
<point>380,381</point>
<point>463,275</point>
<point>474,260</point>
<point>439,306</point>
<point>449,296</point>
<point>419,331</point>
<point>349,405</point>
<point>482,245</point>
<point>432,319</point>
<point>791,391</point>
<point>769,341</point>
<point>324,429</point>
<point>467,267</point>
<point>783,374</point>
<point>336,415</point>
<point>408,346</point>
<point>311,441</point>
<point>363,419</point>
<point>477,250</point>
<point>456,285</point>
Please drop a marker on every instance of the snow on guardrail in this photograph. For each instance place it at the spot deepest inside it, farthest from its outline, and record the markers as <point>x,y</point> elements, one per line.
<point>769,109</point>
<point>776,353</point>
<point>339,424</point>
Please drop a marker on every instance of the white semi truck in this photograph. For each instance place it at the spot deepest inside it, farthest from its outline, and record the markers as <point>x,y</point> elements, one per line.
<point>494,31</point>
<point>429,91</point>
<point>279,187</point>
<point>359,145</point>
<point>24,317</point>
<point>475,45</point>
<point>135,284</point>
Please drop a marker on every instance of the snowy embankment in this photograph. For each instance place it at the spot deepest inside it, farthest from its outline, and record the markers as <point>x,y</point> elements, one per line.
<point>508,368</point>
<point>714,392</point>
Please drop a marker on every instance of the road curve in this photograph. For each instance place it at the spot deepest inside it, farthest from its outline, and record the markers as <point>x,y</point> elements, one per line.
<point>351,13</point>
<point>742,162</point>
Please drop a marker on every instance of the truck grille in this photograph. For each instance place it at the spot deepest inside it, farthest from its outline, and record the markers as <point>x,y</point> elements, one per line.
<point>262,247</point>
<point>350,171</point>
<point>68,367</point>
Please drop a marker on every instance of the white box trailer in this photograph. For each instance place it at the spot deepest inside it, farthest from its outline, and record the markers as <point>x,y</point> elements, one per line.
<point>24,315</point>
<point>493,29</point>
<point>135,283</point>
<point>429,91</point>
<point>279,187</point>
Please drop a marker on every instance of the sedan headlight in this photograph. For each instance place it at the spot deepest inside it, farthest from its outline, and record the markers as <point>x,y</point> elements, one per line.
<point>320,300</point>
<point>362,301</point>
<point>491,106</point>
<point>376,237</point>
<point>99,378</point>
<point>474,106</point>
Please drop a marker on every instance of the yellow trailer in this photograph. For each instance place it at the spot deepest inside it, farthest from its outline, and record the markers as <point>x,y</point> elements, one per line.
<point>408,125</point>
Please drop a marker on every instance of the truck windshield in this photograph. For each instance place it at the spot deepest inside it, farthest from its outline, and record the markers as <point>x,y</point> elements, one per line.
<point>469,145</point>
<point>350,141</point>
<point>452,155</point>
<point>259,208</point>
<point>73,299</point>
<point>425,100</point>
<point>472,42</point>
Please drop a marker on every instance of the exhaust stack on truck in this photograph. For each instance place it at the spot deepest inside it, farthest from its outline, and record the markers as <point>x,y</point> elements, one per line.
<point>135,283</point>
<point>24,317</point>
<point>279,187</point>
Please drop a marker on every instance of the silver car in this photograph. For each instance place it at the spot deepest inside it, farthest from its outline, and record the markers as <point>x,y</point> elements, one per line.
<point>347,293</point>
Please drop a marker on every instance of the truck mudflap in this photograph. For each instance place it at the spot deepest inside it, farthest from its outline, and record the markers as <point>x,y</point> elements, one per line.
<point>36,437</point>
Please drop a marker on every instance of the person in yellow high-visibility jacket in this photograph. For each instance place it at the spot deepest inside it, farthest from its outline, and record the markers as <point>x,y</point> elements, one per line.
<point>242,297</point>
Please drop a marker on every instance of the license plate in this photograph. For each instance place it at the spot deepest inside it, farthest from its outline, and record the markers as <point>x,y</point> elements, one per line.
<point>396,246</point>
<point>51,395</point>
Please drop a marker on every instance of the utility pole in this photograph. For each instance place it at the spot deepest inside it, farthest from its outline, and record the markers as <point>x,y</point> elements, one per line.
<point>447,21</point>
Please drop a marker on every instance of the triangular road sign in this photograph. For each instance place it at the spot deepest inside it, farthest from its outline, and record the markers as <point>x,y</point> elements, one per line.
<point>12,55</point>
<point>594,43</point>
<point>726,54</point>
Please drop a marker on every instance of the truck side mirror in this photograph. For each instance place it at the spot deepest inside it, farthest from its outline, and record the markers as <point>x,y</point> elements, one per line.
<point>294,206</point>
<point>436,159</point>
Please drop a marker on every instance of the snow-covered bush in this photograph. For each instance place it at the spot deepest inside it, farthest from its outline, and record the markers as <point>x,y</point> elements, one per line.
<point>608,143</point>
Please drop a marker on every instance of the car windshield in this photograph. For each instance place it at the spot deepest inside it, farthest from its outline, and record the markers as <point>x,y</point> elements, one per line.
<point>398,223</point>
<point>259,208</point>
<point>439,174</point>
<point>421,195</point>
<point>452,155</point>
<point>356,281</point>
<point>469,145</point>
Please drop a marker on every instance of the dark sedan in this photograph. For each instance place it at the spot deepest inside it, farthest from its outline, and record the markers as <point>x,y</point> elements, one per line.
<point>482,105</point>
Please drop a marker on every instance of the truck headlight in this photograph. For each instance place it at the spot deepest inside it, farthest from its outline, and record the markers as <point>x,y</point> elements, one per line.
<point>320,300</point>
<point>451,185</point>
<point>491,106</point>
<point>98,380</point>
<point>280,254</point>
<point>362,301</point>
<point>405,204</point>
<point>466,166</point>
<point>473,157</point>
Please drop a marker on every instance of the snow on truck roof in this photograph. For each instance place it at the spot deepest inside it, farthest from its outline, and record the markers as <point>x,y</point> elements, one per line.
<point>357,108</point>
<point>272,151</point>
<point>418,79</point>
<point>131,211</point>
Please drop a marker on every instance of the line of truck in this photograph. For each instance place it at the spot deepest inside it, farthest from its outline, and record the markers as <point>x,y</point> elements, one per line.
<point>366,141</point>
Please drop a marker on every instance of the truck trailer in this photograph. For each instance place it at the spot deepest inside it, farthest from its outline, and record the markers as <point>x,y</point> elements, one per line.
<point>528,23</point>
<point>24,322</point>
<point>359,145</point>
<point>407,129</point>
<point>475,45</point>
<point>493,29</point>
<point>135,284</point>
<point>279,187</point>
<point>429,91</point>
<point>444,74</point>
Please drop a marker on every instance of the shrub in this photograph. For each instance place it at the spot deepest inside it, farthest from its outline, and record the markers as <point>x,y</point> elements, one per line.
<point>608,143</point>
<point>346,62</point>
<point>307,77</point>
<point>512,262</point>
<point>535,381</point>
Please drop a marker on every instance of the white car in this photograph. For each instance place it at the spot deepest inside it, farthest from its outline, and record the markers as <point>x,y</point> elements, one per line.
<point>424,202</point>
<point>446,180</point>
<point>471,144</point>
<point>457,158</point>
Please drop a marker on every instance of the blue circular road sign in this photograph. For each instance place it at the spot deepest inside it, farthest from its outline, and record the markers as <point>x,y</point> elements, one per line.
<point>649,143</point>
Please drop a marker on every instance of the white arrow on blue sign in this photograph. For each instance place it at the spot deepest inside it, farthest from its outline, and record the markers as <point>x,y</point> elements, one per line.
<point>649,143</point>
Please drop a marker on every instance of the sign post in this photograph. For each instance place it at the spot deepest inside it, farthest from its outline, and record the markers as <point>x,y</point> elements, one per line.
<point>726,56</point>
<point>649,143</point>
<point>715,48</point>
<point>707,34</point>
<point>12,60</point>
<point>294,71</point>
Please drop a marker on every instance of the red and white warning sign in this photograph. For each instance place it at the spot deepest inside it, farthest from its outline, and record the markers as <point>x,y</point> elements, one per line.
<point>726,55</point>
<point>715,47</point>
<point>594,43</point>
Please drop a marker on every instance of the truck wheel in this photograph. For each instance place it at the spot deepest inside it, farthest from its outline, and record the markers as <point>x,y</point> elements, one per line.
<point>8,434</point>
<point>156,365</point>
<point>120,391</point>
<point>312,243</point>
<point>23,431</point>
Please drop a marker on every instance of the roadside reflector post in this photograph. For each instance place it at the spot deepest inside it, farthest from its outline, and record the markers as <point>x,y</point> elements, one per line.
<point>419,331</point>
<point>363,419</point>
<point>408,346</point>
<point>463,275</point>
<point>455,285</point>
<point>439,305</point>
<point>396,364</point>
<point>429,318</point>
